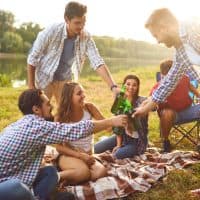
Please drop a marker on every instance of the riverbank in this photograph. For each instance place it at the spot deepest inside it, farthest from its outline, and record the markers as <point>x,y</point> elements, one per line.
<point>11,55</point>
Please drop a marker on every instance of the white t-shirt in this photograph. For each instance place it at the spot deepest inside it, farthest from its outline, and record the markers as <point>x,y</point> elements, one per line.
<point>84,143</point>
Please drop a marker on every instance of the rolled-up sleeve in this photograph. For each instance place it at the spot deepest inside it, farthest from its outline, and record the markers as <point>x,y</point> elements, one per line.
<point>39,46</point>
<point>180,66</point>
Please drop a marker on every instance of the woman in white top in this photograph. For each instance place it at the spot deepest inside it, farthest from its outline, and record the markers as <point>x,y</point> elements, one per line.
<point>76,161</point>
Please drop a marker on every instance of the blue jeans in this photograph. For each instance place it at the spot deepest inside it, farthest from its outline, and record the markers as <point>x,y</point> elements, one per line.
<point>43,186</point>
<point>14,189</point>
<point>45,182</point>
<point>128,150</point>
<point>188,115</point>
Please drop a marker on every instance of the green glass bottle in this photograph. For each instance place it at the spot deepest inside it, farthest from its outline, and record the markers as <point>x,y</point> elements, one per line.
<point>118,103</point>
<point>122,105</point>
<point>128,110</point>
<point>117,109</point>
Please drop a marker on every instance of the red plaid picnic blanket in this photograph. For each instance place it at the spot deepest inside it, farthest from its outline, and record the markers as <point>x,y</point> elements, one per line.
<point>128,176</point>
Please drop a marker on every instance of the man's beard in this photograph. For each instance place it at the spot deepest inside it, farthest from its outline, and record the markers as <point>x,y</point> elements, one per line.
<point>170,42</point>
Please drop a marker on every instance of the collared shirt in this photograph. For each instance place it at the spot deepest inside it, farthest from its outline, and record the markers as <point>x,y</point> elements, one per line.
<point>22,145</point>
<point>47,49</point>
<point>182,62</point>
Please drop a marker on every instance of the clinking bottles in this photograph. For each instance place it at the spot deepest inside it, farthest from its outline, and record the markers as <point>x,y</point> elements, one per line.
<point>122,105</point>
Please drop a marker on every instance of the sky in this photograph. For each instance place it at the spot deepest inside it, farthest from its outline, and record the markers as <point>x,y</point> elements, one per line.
<point>116,18</point>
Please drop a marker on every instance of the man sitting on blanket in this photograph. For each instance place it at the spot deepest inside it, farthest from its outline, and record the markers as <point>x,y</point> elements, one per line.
<point>22,146</point>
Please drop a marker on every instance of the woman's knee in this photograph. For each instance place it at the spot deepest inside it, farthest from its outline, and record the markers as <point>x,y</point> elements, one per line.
<point>98,172</point>
<point>82,173</point>
<point>76,174</point>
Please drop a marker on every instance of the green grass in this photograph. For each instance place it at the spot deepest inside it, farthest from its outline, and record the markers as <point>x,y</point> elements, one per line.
<point>176,185</point>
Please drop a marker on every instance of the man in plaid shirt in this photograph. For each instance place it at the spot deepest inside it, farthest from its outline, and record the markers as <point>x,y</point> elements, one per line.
<point>60,50</point>
<point>22,146</point>
<point>185,38</point>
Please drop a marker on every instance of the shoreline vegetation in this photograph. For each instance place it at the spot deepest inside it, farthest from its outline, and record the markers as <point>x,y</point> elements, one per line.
<point>12,55</point>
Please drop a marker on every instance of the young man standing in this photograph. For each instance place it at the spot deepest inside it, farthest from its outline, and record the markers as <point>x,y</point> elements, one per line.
<point>22,146</point>
<point>60,50</point>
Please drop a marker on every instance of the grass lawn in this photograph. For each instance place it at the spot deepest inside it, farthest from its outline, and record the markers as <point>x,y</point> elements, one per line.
<point>173,187</point>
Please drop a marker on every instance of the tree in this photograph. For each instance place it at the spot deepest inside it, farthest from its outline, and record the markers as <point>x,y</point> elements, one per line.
<point>7,20</point>
<point>29,31</point>
<point>11,43</point>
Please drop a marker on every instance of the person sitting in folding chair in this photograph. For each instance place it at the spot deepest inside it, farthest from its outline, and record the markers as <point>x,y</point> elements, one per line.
<point>171,111</point>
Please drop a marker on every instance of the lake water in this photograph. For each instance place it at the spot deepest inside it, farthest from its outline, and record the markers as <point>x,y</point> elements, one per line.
<point>16,68</point>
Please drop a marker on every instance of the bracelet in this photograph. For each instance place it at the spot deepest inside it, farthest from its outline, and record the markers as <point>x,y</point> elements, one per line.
<point>113,86</point>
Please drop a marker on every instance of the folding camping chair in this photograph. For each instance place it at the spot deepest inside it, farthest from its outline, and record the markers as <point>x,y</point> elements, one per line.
<point>184,127</point>
<point>187,128</point>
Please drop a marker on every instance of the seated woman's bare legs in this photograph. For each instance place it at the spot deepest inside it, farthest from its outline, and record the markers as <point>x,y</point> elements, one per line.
<point>74,170</point>
<point>97,171</point>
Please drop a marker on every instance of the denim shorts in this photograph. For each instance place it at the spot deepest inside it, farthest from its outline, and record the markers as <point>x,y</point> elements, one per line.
<point>188,115</point>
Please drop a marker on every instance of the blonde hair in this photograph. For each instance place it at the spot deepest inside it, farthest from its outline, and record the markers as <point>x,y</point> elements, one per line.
<point>161,17</point>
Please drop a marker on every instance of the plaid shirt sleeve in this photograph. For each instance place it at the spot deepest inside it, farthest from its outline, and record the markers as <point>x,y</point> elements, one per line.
<point>181,65</point>
<point>39,46</point>
<point>93,54</point>
<point>55,132</point>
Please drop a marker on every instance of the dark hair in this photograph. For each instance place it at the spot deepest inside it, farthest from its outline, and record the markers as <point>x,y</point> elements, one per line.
<point>28,99</point>
<point>131,76</point>
<point>161,17</point>
<point>65,104</point>
<point>75,9</point>
<point>165,66</point>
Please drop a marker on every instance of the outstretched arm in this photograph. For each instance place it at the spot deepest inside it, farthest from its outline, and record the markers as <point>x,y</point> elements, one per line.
<point>146,107</point>
<point>120,120</point>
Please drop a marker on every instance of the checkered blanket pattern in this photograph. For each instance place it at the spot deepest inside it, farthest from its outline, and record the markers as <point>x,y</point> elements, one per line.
<point>128,176</point>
